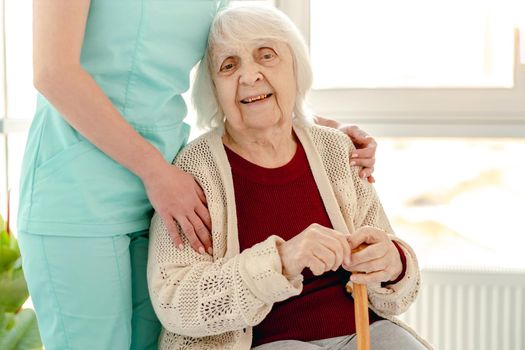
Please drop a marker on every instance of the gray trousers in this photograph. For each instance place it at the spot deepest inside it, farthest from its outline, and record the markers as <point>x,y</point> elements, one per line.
<point>384,335</point>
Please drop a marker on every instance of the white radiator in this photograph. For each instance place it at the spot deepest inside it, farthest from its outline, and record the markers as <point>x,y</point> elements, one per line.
<point>470,310</point>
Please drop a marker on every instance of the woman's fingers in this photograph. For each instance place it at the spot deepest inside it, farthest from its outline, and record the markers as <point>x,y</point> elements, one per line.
<point>333,240</point>
<point>326,255</point>
<point>339,247</point>
<point>370,253</point>
<point>367,278</point>
<point>347,249</point>
<point>379,259</point>
<point>314,245</point>
<point>368,235</point>
<point>370,266</point>
<point>317,265</point>
<point>357,238</point>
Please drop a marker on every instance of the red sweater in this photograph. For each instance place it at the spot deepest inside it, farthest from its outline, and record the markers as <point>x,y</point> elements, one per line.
<point>284,201</point>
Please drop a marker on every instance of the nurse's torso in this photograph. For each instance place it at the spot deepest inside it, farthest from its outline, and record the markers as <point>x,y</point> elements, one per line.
<point>140,52</point>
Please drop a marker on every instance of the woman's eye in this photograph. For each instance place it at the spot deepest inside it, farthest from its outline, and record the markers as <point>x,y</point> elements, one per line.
<point>227,67</point>
<point>267,54</point>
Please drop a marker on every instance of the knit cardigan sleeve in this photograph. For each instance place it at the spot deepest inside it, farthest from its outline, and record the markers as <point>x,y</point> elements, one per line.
<point>199,295</point>
<point>360,206</point>
<point>392,299</point>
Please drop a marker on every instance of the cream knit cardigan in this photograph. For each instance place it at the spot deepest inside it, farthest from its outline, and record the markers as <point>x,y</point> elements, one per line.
<point>206,302</point>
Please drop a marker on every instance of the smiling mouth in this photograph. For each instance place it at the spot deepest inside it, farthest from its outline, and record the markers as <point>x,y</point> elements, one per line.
<point>256,98</point>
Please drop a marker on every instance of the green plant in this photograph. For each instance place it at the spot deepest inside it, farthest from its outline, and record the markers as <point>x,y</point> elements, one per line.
<point>18,327</point>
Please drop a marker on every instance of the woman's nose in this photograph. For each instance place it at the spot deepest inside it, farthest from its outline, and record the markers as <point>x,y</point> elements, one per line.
<point>250,75</point>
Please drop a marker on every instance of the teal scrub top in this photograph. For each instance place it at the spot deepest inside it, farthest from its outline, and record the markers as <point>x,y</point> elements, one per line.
<point>140,52</point>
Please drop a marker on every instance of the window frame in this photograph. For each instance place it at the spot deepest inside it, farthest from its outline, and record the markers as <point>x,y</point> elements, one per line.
<point>422,112</point>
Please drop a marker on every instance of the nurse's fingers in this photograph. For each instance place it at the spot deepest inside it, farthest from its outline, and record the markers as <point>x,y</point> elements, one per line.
<point>202,233</point>
<point>187,227</point>
<point>173,230</point>
<point>204,215</point>
<point>200,193</point>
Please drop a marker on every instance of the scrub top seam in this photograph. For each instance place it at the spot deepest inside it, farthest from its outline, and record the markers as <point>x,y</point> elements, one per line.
<point>134,58</point>
<point>34,167</point>
<point>168,127</point>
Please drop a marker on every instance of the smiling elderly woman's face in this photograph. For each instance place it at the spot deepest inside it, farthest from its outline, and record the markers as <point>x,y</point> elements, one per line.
<point>255,83</point>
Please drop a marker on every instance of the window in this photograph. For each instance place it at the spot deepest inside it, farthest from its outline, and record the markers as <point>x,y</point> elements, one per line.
<point>442,86</point>
<point>18,98</point>
<point>385,65</point>
<point>458,201</point>
<point>379,44</point>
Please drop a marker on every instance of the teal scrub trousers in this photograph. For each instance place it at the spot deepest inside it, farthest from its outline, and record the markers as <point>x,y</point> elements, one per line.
<point>90,292</point>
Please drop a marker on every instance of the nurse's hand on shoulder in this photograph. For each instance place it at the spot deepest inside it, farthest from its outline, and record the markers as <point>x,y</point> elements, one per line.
<point>177,198</point>
<point>366,146</point>
<point>364,155</point>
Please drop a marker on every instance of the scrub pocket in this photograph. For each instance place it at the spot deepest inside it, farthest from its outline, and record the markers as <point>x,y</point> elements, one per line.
<point>81,189</point>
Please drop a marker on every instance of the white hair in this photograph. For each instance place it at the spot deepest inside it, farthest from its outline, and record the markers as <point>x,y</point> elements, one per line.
<point>246,23</point>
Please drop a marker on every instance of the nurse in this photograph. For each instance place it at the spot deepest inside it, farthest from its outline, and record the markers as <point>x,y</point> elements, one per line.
<point>109,121</point>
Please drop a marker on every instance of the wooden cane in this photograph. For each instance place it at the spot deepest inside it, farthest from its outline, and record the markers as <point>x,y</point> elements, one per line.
<point>362,324</point>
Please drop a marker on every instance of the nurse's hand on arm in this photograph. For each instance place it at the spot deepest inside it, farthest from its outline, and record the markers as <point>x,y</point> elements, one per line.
<point>366,146</point>
<point>58,32</point>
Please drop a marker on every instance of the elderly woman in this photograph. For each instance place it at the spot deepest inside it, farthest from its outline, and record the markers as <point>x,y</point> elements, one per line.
<point>286,210</point>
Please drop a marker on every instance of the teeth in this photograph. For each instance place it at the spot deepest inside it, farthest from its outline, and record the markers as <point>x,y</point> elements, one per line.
<point>256,98</point>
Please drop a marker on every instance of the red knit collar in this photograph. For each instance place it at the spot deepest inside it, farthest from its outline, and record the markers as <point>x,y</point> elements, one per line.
<point>292,170</point>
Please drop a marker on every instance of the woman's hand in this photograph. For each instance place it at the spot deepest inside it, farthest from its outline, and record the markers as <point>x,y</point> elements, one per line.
<point>319,248</point>
<point>366,146</point>
<point>379,262</point>
<point>177,197</point>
